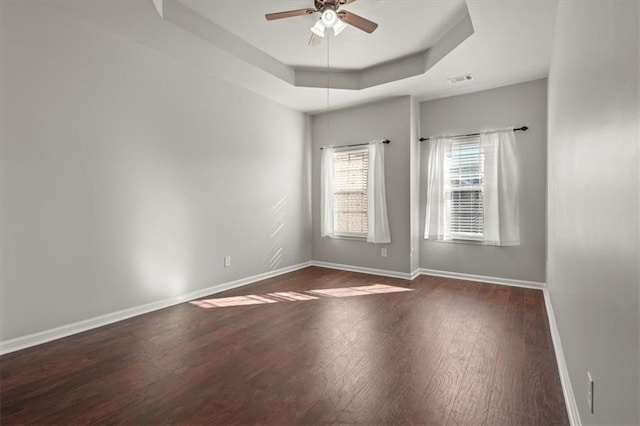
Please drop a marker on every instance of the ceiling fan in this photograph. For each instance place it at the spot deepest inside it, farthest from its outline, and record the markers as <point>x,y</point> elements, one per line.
<point>331,17</point>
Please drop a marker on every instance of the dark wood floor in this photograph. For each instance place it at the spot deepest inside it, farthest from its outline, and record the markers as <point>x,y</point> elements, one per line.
<point>448,352</point>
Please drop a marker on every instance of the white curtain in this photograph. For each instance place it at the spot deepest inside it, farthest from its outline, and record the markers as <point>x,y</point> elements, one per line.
<point>436,224</point>
<point>377,219</point>
<point>326,192</point>
<point>501,204</point>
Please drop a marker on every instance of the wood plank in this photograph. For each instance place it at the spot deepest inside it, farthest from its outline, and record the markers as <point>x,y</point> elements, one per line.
<point>543,395</point>
<point>497,417</point>
<point>507,387</point>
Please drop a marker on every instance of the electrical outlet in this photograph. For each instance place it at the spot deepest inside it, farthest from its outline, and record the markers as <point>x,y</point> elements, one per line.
<point>227,261</point>
<point>590,391</point>
<point>383,252</point>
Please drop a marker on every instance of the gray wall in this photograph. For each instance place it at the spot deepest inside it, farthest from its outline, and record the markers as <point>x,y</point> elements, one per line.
<point>388,119</point>
<point>127,177</point>
<point>516,105</point>
<point>593,277</point>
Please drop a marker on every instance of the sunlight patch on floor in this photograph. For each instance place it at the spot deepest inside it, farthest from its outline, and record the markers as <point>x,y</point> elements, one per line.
<point>291,296</point>
<point>359,291</point>
<point>233,301</point>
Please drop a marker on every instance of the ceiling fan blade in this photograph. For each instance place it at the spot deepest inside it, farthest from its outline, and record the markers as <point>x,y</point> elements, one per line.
<point>358,21</point>
<point>343,2</point>
<point>314,40</point>
<point>289,14</point>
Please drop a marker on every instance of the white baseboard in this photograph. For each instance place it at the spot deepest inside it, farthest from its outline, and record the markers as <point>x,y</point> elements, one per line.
<point>567,389</point>
<point>34,339</point>
<point>23,342</point>
<point>362,269</point>
<point>415,274</point>
<point>484,279</point>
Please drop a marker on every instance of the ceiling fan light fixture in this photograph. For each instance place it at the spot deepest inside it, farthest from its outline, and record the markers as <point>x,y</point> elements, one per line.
<point>318,29</point>
<point>339,27</point>
<point>329,18</point>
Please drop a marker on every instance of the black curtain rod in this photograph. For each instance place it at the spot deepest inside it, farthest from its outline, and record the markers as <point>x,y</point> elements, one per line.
<point>386,141</point>
<point>523,129</point>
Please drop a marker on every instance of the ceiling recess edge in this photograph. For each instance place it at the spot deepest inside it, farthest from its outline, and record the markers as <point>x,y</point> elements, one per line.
<point>397,69</point>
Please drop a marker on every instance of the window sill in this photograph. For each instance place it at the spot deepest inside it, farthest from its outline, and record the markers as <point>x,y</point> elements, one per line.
<point>474,243</point>
<point>349,237</point>
<point>470,242</point>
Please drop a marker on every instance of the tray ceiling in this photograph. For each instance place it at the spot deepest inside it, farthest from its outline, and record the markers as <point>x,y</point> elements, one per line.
<point>511,42</point>
<point>406,27</point>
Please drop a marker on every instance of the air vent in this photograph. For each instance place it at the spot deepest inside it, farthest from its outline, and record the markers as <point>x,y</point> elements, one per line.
<point>460,79</point>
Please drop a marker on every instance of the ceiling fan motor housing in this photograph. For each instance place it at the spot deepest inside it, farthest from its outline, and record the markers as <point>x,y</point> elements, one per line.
<point>322,5</point>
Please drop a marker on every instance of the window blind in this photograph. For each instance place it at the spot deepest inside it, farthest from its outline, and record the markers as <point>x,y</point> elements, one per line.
<point>465,189</point>
<point>350,192</point>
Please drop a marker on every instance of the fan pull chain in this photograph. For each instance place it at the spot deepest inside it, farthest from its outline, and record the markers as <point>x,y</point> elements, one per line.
<point>328,84</point>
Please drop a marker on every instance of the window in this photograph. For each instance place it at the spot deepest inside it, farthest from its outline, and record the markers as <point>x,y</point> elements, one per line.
<point>353,202</point>
<point>464,190</point>
<point>472,189</point>
<point>350,192</point>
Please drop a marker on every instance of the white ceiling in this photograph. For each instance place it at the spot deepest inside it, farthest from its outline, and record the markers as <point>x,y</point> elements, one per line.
<point>511,43</point>
<point>406,27</point>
